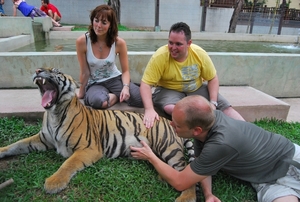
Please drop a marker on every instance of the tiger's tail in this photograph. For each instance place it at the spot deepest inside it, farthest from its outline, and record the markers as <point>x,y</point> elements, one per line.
<point>189,147</point>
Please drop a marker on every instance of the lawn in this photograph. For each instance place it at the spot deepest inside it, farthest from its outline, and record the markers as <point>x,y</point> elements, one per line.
<point>109,179</point>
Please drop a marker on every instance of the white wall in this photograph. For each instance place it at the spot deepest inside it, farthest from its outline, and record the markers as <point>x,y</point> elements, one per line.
<point>172,11</point>
<point>217,19</point>
<point>141,13</point>
<point>138,13</point>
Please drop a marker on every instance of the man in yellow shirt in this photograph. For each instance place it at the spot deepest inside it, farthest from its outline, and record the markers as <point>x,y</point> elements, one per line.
<point>178,70</point>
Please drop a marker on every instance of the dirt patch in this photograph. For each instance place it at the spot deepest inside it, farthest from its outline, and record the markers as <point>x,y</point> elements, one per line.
<point>4,163</point>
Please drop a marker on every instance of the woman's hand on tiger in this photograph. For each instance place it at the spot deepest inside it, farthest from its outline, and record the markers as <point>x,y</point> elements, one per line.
<point>80,95</point>
<point>125,95</point>
<point>143,153</point>
<point>149,118</point>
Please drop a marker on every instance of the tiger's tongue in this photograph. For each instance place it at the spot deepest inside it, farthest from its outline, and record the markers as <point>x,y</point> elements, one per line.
<point>47,97</point>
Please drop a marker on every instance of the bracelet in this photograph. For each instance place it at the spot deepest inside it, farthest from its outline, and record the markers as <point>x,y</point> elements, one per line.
<point>125,84</point>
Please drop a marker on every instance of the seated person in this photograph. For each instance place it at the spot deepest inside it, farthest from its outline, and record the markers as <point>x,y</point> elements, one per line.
<point>102,83</point>
<point>29,10</point>
<point>51,10</point>
<point>178,70</point>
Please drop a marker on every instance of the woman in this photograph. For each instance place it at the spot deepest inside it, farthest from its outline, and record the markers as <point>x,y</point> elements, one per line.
<point>102,84</point>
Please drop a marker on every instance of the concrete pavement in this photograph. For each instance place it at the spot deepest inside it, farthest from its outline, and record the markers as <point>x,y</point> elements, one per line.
<point>294,112</point>
<point>249,102</point>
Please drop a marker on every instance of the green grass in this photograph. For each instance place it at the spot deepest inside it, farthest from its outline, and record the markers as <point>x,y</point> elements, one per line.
<point>109,179</point>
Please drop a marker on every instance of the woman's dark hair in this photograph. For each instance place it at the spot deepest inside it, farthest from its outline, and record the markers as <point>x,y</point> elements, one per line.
<point>104,12</point>
<point>181,26</point>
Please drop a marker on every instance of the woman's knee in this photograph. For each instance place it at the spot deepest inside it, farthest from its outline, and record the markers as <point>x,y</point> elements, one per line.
<point>96,101</point>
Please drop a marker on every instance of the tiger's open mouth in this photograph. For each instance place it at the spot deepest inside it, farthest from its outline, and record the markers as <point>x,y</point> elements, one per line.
<point>48,89</point>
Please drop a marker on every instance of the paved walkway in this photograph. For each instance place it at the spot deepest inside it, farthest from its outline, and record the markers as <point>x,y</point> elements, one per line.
<point>294,113</point>
<point>27,103</point>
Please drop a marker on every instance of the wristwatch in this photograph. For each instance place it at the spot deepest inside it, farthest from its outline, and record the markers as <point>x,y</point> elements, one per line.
<point>214,103</point>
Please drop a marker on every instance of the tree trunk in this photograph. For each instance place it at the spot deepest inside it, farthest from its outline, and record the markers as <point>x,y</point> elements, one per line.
<point>235,16</point>
<point>115,4</point>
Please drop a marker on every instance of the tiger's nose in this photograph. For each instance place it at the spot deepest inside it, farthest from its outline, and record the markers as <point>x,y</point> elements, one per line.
<point>38,71</point>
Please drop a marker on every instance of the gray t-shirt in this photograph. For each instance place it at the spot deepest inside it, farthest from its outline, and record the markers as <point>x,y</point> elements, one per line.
<point>243,150</point>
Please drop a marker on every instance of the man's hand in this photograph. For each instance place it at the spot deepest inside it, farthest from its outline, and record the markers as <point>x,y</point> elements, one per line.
<point>150,117</point>
<point>143,153</point>
<point>212,198</point>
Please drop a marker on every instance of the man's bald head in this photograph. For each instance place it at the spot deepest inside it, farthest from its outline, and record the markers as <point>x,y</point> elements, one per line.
<point>197,111</point>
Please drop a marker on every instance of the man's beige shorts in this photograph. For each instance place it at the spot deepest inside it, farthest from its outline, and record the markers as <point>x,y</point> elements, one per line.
<point>285,186</point>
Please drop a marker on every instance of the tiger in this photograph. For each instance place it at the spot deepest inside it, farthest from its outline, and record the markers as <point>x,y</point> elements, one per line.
<point>84,135</point>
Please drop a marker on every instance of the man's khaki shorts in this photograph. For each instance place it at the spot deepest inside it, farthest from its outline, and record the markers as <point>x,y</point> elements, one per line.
<point>285,186</point>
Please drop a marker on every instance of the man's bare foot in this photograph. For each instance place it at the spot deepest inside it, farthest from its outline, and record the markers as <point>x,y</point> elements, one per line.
<point>57,24</point>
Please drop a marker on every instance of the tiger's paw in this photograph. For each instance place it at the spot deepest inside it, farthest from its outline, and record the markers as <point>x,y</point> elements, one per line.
<point>2,151</point>
<point>55,184</point>
<point>188,195</point>
<point>186,199</point>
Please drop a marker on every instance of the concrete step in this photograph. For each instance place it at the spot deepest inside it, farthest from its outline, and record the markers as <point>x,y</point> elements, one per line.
<point>63,28</point>
<point>252,104</point>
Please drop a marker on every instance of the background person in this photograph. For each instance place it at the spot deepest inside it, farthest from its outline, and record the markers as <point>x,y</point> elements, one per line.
<point>178,70</point>
<point>29,10</point>
<point>51,10</point>
<point>1,9</point>
<point>270,162</point>
<point>102,84</point>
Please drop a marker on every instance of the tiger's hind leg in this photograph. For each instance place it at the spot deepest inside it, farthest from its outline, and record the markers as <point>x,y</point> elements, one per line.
<point>188,195</point>
<point>76,162</point>
<point>178,162</point>
<point>189,147</point>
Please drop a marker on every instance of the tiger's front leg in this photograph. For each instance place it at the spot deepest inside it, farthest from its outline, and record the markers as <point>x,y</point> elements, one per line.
<point>24,146</point>
<point>76,162</point>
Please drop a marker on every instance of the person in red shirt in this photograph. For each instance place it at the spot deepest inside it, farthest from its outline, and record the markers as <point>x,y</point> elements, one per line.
<point>51,11</point>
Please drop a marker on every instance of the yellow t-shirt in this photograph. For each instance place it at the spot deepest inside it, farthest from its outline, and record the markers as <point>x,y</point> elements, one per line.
<point>163,70</point>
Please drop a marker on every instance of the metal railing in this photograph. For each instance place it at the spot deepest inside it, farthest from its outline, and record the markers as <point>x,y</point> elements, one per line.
<point>266,12</point>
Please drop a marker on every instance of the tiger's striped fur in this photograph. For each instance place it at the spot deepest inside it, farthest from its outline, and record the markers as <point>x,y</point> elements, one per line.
<point>84,135</point>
